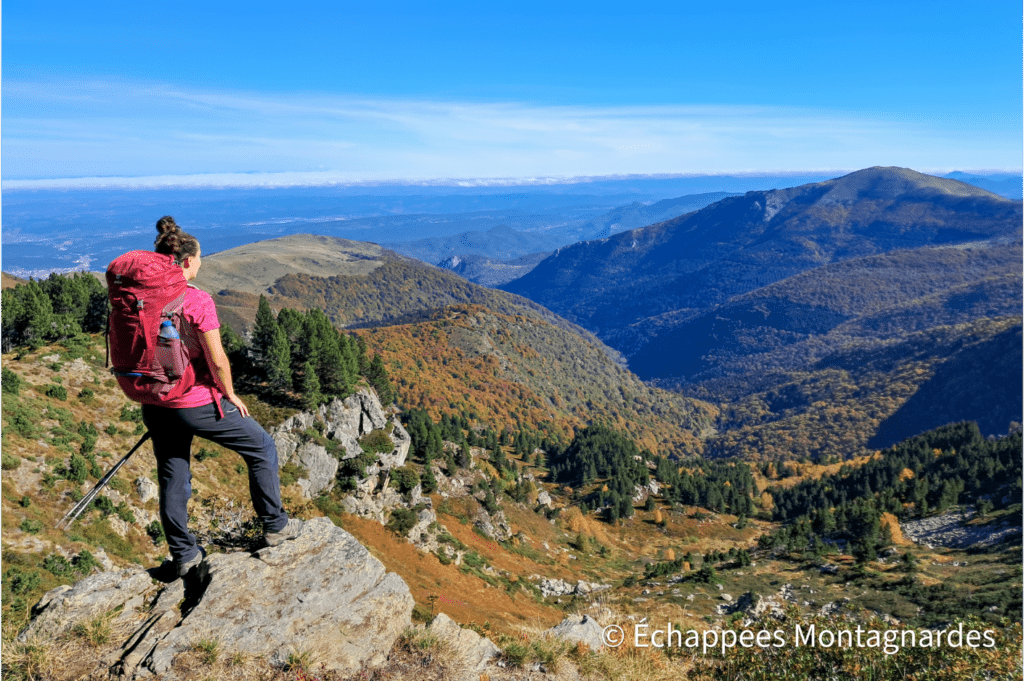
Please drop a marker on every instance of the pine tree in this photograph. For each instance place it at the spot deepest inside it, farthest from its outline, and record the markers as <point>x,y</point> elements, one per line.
<point>278,360</point>
<point>377,375</point>
<point>427,481</point>
<point>311,388</point>
<point>263,334</point>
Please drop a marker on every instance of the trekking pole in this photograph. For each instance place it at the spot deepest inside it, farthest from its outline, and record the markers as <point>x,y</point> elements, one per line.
<point>73,514</point>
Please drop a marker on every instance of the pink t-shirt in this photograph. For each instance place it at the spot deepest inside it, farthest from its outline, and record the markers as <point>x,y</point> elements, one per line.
<point>201,316</point>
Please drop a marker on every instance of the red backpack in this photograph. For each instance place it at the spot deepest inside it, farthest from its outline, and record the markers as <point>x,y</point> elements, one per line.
<point>146,289</point>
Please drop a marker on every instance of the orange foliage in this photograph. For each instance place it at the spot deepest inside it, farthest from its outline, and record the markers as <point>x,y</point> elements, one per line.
<point>888,519</point>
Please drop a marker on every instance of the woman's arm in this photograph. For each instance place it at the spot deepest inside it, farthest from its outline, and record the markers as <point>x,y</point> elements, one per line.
<point>220,368</point>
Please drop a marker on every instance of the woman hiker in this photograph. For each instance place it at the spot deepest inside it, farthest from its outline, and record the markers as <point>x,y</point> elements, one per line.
<point>211,410</point>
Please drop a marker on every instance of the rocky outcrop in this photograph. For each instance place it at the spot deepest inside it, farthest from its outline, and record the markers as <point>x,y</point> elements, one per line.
<point>474,650</point>
<point>494,526</point>
<point>321,594</point>
<point>558,587</point>
<point>949,529</point>
<point>753,606</point>
<point>343,421</point>
<point>582,629</point>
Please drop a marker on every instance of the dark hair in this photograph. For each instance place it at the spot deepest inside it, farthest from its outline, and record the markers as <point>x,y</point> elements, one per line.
<point>171,240</point>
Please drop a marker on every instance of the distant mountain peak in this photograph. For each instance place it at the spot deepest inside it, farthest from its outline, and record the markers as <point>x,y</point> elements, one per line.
<point>893,183</point>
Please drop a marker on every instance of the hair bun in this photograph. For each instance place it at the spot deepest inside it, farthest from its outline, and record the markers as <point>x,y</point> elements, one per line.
<point>167,225</point>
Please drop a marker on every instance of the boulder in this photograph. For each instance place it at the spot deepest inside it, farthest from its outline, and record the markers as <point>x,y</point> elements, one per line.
<point>321,593</point>
<point>146,489</point>
<point>472,648</point>
<point>583,629</point>
<point>495,526</point>
<point>65,606</point>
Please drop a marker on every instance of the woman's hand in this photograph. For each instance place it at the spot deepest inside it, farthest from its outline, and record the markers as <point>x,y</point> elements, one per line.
<point>237,401</point>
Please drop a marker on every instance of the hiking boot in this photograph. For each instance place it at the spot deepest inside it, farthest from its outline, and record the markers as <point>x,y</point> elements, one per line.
<point>289,531</point>
<point>190,564</point>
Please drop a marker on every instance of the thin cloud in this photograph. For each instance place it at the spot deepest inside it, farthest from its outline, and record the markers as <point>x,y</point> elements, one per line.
<point>153,134</point>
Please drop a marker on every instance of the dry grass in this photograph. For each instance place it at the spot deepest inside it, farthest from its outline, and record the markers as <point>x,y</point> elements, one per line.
<point>76,654</point>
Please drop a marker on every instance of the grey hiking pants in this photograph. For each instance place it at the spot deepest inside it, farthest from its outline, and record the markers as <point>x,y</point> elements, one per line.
<point>173,430</point>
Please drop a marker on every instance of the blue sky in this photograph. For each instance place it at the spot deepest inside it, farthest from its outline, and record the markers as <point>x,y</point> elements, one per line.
<point>309,92</point>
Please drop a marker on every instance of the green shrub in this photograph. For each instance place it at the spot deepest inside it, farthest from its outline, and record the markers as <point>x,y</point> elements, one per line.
<point>377,442</point>
<point>125,513</point>
<point>402,520</point>
<point>21,582</point>
<point>104,505</point>
<point>707,575</point>
<point>130,413</point>
<point>474,560</point>
<point>57,392</point>
<point>111,430</point>
<point>58,565</point>
<point>84,562</point>
<point>78,469</point>
<point>31,526</point>
<point>9,462</point>
<point>291,472</point>
<point>516,654</point>
<point>22,422</point>
<point>203,454</point>
<point>86,394</point>
<point>156,532</point>
<point>10,382</point>
<point>405,478</point>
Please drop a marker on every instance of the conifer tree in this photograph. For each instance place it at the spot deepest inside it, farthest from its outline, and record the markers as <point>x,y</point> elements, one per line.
<point>311,388</point>
<point>278,360</point>
<point>263,334</point>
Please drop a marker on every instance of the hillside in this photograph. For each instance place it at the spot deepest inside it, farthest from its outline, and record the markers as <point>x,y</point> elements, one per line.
<point>686,266</point>
<point>254,268</point>
<point>868,301</point>
<point>854,401</point>
<point>10,281</point>
<point>354,283</point>
<point>477,350</point>
<point>511,369</point>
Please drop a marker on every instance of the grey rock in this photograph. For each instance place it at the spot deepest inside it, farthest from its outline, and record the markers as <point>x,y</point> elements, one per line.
<point>343,421</point>
<point>96,595</point>
<point>146,489</point>
<point>544,499</point>
<point>755,607</point>
<point>475,650</point>
<point>726,597</point>
<point>558,587</point>
<point>103,559</point>
<point>320,467</point>
<point>948,529</point>
<point>322,592</point>
<point>580,629</point>
<point>494,526</point>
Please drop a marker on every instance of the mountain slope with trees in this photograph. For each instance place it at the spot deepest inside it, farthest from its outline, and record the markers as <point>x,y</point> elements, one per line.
<point>697,261</point>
